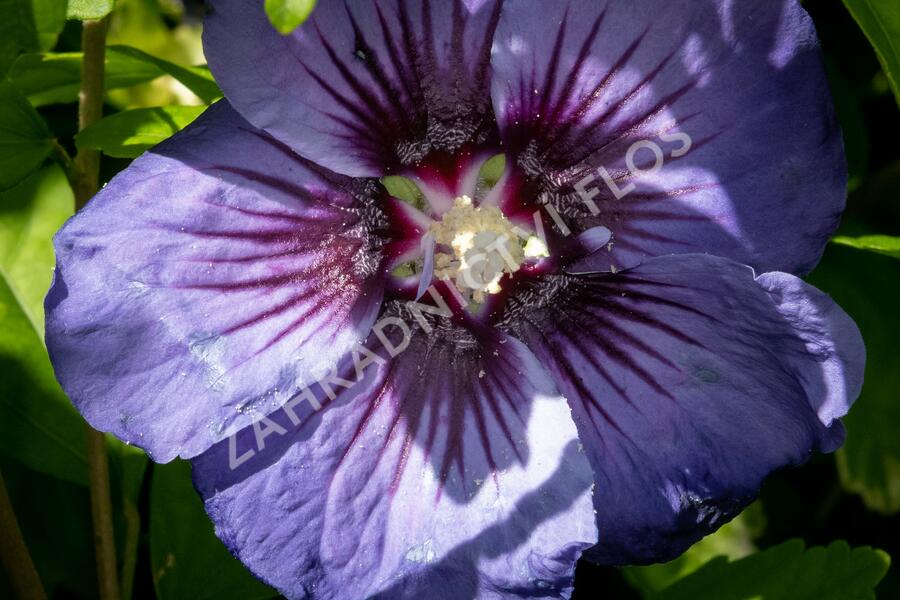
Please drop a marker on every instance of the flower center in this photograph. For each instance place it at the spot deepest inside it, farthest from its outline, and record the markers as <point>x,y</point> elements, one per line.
<point>476,246</point>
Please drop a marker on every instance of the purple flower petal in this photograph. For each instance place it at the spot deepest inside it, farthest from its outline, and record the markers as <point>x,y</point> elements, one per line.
<point>687,127</point>
<point>428,247</point>
<point>691,381</point>
<point>363,88</point>
<point>451,470</point>
<point>208,282</point>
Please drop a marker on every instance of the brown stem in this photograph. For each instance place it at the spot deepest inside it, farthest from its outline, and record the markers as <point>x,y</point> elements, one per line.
<point>90,106</point>
<point>101,514</point>
<point>62,158</point>
<point>130,552</point>
<point>85,184</point>
<point>14,554</point>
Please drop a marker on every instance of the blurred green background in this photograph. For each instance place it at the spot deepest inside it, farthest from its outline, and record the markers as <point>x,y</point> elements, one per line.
<point>166,547</point>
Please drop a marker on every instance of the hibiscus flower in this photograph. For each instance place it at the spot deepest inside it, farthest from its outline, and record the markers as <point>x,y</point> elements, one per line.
<point>601,352</point>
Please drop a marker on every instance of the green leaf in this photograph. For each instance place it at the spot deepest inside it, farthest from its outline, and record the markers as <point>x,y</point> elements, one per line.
<point>787,572</point>
<point>56,78</point>
<point>18,33</point>
<point>38,424</point>
<point>197,79</point>
<point>25,140</point>
<point>130,133</point>
<point>28,26</point>
<point>54,516</point>
<point>85,10</point>
<point>188,559</point>
<point>867,286</point>
<point>880,21</point>
<point>287,15</point>
<point>30,214</point>
<point>882,244</point>
<point>49,19</point>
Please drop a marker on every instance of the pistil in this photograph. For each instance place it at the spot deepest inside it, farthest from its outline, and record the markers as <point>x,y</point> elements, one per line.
<point>477,246</point>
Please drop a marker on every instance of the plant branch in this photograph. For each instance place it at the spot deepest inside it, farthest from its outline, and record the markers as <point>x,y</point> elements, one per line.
<point>101,515</point>
<point>86,183</point>
<point>90,107</point>
<point>62,158</point>
<point>14,554</point>
<point>130,552</point>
